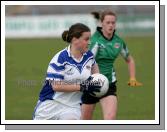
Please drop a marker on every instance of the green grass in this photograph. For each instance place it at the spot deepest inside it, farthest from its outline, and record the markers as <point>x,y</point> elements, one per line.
<point>26,62</point>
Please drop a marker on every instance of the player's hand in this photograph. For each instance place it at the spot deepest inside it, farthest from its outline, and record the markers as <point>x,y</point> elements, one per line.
<point>133,82</point>
<point>89,86</point>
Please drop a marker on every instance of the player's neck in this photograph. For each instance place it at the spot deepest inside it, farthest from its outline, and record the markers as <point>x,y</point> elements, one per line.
<point>107,35</point>
<point>75,53</point>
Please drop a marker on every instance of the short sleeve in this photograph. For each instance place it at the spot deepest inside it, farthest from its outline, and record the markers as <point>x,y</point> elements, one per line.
<point>56,69</point>
<point>124,51</point>
<point>94,47</point>
<point>93,61</point>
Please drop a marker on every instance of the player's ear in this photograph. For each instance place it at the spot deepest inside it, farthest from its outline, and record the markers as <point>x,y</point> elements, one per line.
<point>74,39</point>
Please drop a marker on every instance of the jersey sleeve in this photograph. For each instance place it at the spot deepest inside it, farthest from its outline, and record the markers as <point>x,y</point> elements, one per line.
<point>56,69</point>
<point>124,51</point>
<point>94,47</point>
<point>93,61</point>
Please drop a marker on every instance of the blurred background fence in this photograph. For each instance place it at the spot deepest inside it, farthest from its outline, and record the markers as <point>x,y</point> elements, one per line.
<point>51,20</point>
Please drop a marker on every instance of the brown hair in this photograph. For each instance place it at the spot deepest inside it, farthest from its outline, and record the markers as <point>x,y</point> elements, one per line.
<point>96,14</point>
<point>106,12</point>
<point>75,30</point>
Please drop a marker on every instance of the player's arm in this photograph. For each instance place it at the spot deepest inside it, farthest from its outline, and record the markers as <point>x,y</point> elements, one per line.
<point>85,87</point>
<point>61,86</point>
<point>95,69</point>
<point>131,66</point>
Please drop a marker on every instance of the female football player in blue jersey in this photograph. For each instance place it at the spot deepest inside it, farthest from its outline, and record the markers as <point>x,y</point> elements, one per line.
<point>106,46</point>
<point>60,97</point>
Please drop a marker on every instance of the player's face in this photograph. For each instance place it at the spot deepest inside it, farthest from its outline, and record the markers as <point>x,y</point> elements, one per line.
<point>109,24</point>
<point>83,42</point>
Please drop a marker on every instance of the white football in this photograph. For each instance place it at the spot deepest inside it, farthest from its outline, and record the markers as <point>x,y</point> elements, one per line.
<point>103,82</point>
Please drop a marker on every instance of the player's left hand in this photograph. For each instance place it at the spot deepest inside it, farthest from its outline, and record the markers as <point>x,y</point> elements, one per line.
<point>89,87</point>
<point>134,82</point>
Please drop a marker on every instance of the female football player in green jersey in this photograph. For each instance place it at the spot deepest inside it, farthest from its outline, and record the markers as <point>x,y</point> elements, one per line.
<point>106,46</point>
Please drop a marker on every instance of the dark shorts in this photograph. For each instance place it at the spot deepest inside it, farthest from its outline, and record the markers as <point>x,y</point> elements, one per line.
<point>88,99</point>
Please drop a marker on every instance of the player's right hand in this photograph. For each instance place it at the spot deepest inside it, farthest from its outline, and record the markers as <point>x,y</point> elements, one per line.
<point>89,87</point>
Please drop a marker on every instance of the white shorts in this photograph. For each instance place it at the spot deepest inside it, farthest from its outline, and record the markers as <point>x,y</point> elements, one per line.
<point>52,110</point>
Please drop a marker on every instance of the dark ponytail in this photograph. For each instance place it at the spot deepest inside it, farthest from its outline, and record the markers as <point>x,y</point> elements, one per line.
<point>65,35</point>
<point>96,15</point>
<point>75,30</point>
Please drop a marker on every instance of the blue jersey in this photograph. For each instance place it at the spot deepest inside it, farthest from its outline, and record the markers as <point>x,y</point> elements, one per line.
<point>65,67</point>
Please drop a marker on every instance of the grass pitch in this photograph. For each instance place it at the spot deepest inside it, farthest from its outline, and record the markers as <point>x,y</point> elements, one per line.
<point>26,62</point>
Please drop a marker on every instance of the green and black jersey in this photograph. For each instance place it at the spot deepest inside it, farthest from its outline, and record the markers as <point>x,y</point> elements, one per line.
<point>106,51</point>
